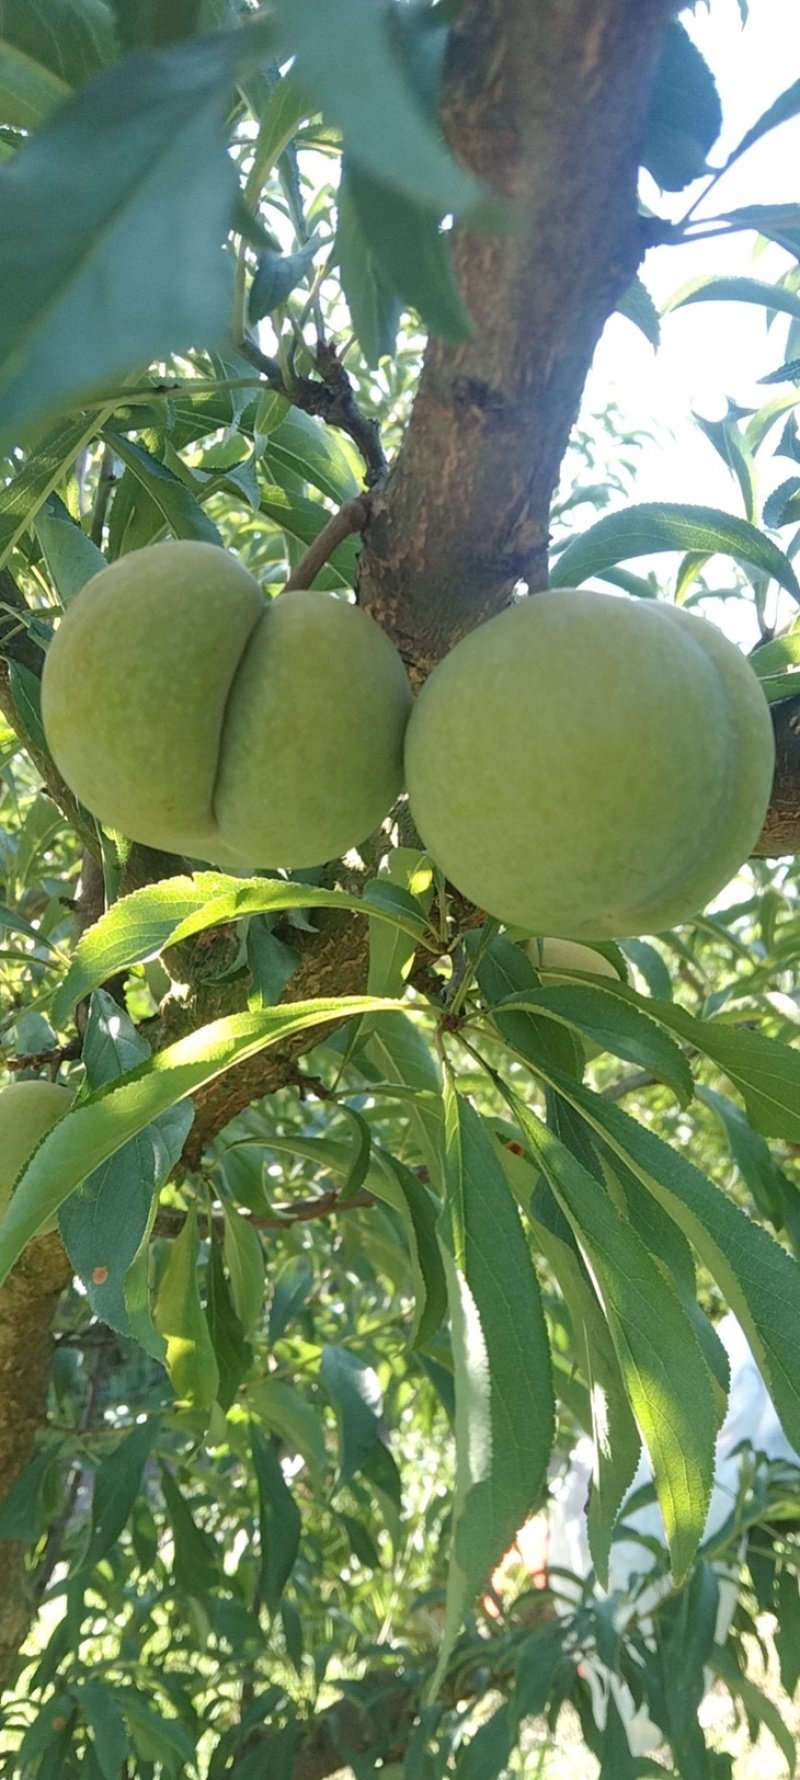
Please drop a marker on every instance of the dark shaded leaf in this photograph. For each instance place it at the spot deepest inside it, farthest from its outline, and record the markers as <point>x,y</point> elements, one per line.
<point>276,276</point>
<point>375,308</point>
<point>279,1519</point>
<point>346,62</point>
<point>116,1486</point>
<point>685,115</point>
<point>411,250</point>
<point>637,306</point>
<point>131,185</point>
<point>356,1396</point>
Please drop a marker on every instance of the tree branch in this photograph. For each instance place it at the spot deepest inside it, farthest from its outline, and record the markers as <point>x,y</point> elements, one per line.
<point>546,100</point>
<point>330,397</point>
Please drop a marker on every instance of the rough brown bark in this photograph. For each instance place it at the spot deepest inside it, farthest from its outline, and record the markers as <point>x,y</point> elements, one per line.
<point>781,831</point>
<point>546,102</point>
<point>27,1305</point>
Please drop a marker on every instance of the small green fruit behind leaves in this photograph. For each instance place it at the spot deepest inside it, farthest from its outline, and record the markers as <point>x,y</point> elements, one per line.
<point>28,1110</point>
<point>188,713</point>
<point>590,766</point>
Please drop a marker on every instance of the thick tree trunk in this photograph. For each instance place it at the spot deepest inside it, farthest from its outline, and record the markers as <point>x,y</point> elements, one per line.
<point>546,100</point>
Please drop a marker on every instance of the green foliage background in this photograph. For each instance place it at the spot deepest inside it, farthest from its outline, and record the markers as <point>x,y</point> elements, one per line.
<point>306,1390</point>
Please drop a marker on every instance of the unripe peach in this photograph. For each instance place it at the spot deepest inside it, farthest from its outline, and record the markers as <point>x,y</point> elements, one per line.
<point>189,712</point>
<point>590,766</point>
<point>28,1110</point>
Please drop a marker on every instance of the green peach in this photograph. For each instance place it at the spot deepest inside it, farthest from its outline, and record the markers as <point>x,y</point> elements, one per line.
<point>190,713</point>
<point>28,1110</point>
<point>554,955</point>
<point>590,766</point>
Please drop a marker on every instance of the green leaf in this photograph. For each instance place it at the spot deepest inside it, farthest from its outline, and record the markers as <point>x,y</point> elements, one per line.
<point>279,1519</point>
<point>282,1409</point>
<point>99,1709</point>
<point>779,222</point>
<point>391,1180</point>
<point>658,1351</point>
<point>131,185</point>
<point>315,453</point>
<point>21,1506</point>
<point>179,1316</point>
<point>116,1486</point>
<point>504,1397</point>
<point>391,949</point>
<point>244,1259</point>
<point>285,108</point>
<point>616,1437</point>
<point>356,1396</point>
<point>765,1071</point>
<point>685,115</point>
<point>194,1561</point>
<point>107,1219</point>
<point>26,693</point>
<point>779,112</point>
<point>276,276</point>
<point>637,306</point>
<point>271,962</point>
<point>403,1055</point>
<point>141,925</point>
<point>655,526</point>
<point>759,1280</point>
<point>176,504</point>
<point>233,1353</point>
<point>157,1739</point>
<point>303,520</point>
<point>410,250</point>
<point>289,1293</point>
<point>346,62</point>
<point>731,446</point>
<point>483,1757</point>
<point>752,1156</point>
<point>711,289</point>
<point>28,90</point>
<point>757,1704</point>
<point>503,971</point>
<point>375,309</point>
<point>787,1633</point>
<point>638,1040</point>
<point>43,469</point>
<point>72,38</point>
<point>71,557</point>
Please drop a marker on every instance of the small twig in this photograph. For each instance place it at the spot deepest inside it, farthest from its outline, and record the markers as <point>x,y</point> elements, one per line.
<point>330,397</point>
<point>351,517</point>
<point>170,1221</point>
<point>67,1053</point>
<point>630,1084</point>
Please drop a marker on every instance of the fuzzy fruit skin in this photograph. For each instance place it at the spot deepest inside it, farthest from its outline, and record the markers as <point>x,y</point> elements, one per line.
<point>28,1110</point>
<point>590,766</point>
<point>312,754</point>
<point>189,713</point>
<point>135,686</point>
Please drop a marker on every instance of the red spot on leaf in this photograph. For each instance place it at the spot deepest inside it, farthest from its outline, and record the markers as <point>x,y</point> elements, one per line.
<point>99,1276</point>
<point>516,1149</point>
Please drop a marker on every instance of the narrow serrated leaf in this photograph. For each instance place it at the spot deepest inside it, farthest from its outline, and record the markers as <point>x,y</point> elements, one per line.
<point>504,1394</point>
<point>655,526</point>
